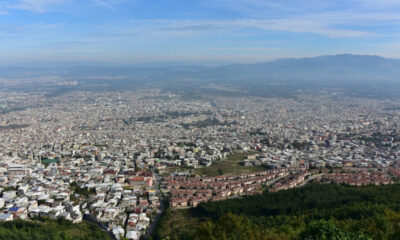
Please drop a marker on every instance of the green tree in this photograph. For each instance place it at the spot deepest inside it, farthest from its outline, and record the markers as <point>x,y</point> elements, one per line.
<point>229,227</point>
<point>327,230</point>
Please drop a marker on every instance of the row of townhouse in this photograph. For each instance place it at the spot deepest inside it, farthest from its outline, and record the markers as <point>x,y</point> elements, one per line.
<point>190,191</point>
<point>359,178</point>
<point>290,181</point>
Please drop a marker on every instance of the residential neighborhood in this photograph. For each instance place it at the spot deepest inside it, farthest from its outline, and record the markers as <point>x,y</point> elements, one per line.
<point>115,157</point>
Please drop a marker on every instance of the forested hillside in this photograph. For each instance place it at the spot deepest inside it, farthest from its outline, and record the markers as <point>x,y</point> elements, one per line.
<point>312,212</point>
<point>47,229</point>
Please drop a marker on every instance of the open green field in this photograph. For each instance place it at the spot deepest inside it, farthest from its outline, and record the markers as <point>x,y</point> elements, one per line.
<point>230,166</point>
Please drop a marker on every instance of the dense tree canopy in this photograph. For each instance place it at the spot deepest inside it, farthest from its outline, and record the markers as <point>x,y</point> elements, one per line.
<point>47,229</point>
<point>313,212</point>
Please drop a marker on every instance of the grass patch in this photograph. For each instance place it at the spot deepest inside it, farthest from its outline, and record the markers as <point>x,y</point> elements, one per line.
<point>230,166</point>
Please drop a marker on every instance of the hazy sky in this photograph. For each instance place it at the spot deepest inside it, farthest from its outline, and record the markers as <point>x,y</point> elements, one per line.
<point>174,30</point>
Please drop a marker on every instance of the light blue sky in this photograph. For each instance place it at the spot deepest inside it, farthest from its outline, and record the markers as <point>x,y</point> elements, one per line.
<point>131,31</point>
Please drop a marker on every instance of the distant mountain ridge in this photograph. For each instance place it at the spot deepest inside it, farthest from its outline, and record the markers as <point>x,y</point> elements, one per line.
<point>329,67</point>
<point>342,66</point>
<point>353,73</point>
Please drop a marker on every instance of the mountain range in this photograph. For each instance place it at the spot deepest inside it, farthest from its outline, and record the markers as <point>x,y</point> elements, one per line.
<point>356,74</point>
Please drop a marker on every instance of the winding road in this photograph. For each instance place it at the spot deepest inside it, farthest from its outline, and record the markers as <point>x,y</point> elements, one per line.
<point>153,224</point>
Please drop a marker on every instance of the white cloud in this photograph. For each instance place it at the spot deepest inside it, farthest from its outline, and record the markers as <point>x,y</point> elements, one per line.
<point>104,3</point>
<point>2,10</point>
<point>306,26</point>
<point>110,4</point>
<point>37,6</point>
<point>300,5</point>
<point>297,25</point>
<point>365,10</point>
<point>390,49</point>
<point>379,3</point>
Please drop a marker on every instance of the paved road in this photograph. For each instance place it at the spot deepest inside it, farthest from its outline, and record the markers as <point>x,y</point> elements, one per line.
<point>276,179</point>
<point>153,225</point>
<point>92,219</point>
<point>312,177</point>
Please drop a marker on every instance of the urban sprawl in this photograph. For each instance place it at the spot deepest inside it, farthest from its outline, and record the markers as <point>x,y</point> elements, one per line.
<point>120,158</point>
